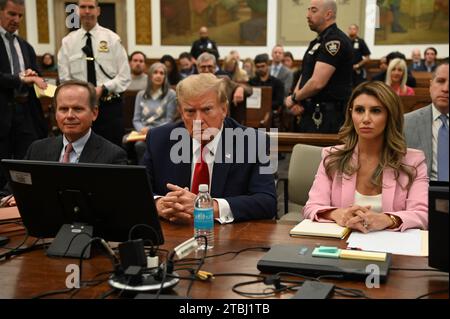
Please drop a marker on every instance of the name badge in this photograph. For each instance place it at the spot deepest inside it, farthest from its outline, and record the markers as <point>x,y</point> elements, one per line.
<point>356,45</point>
<point>103,47</point>
<point>314,48</point>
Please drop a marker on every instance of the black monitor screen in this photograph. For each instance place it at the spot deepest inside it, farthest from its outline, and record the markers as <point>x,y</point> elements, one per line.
<point>111,198</point>
<point>438,225</point>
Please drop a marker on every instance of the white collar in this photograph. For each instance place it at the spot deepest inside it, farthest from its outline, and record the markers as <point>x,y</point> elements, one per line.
<point>79,144</point>
<point>212,145</point>
<point>436,113</point>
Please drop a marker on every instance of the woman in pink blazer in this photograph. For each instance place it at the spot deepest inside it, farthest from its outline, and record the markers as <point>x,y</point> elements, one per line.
<point>372,182</point>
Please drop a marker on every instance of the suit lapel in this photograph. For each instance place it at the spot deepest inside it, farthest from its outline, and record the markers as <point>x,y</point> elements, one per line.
<point>427,135</point>
<point>90,153</point>
<point>54,152</point>
<point>6,67</point>
<point>25,53</point>
<point>349,184</point>
<point>221,167</point>
<point>388,190</point>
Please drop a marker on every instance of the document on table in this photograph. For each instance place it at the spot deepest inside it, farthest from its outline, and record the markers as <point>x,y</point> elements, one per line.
<point>412,242</point>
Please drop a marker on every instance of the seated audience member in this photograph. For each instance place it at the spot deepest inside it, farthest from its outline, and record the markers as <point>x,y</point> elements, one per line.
<point>137,68</point>
<point>154,106</point>
<point>396,77</point>
<point>288,61</point>
<point>373,181</point>
<point>278,70</point>
<point>203,154</point>
<point>383,64</point>
<point>236,92</point>
<point>416,61</point>
<point>430,63</point>
<point>172,69</point>
<point>427,128</point>
<point>263,78</point>
<point>48,63</point>
<point>235,54</point>
<point>249,67</point>
<point>410,80</point>
<point>76,110</point>
<point>187,65</point>
<point>235,73</point>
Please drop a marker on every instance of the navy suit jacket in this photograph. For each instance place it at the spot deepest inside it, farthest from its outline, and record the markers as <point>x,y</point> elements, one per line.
<point>96,150</point>
<point>251,195</point>
<point>9,82</point>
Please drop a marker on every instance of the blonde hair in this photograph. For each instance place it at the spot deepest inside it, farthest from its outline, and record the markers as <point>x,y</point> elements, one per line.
<point>238,75</point>
<point>397,63</point>
<point>394,144</point>
<point>197,85</point>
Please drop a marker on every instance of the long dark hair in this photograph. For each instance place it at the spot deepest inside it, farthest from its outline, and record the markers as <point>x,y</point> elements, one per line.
<point>165,86</point>
<point>174,76</point>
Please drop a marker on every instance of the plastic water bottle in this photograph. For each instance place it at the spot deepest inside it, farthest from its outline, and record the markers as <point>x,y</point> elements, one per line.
<point>204,217</point>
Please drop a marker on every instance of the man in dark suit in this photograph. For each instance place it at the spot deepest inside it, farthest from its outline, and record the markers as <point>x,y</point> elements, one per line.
<point>76,110</point>
<point>21,117</point>
<point>202,150</point>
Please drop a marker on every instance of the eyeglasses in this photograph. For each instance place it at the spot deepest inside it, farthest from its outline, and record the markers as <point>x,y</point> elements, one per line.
<point>207,67</point>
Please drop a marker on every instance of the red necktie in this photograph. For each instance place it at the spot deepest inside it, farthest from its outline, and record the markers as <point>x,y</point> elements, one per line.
<point>201,173</point>
<point>67,151</point>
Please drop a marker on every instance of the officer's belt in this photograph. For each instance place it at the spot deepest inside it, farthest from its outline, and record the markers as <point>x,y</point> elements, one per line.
<point>325,107</point>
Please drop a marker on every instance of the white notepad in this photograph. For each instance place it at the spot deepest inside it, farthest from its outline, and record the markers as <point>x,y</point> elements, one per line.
<point>310,228</point>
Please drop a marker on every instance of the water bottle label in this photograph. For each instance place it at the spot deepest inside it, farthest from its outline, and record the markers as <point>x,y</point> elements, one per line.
<point>203,218</point>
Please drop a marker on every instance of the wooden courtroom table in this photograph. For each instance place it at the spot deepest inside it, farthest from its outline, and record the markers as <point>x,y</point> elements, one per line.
<point>33,273</point>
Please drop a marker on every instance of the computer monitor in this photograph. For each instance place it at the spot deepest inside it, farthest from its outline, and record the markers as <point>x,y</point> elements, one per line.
<point>110,198</point>
<point>438,225</point>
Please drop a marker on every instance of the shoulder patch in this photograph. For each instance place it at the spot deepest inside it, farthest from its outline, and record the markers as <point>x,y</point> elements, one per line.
<point>333,47</point>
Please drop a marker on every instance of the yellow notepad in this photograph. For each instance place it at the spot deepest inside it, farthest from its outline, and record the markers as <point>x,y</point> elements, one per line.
<point>362,255</point>
<point>48,92</point>
<point>136,136</point>
<point>310,228</point>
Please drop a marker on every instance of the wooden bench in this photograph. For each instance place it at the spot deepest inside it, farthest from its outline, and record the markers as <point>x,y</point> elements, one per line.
<point>412,103</point>
<point>287,140</point>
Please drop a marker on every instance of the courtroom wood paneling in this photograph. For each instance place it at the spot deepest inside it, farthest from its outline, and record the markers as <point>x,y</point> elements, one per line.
<point>143,21</point>
<point>42,21</point>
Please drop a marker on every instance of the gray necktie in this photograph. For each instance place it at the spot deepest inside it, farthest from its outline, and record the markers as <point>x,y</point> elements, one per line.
<point>14,56</point>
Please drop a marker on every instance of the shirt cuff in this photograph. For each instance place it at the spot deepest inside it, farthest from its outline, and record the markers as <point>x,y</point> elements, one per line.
<point>225,214</point>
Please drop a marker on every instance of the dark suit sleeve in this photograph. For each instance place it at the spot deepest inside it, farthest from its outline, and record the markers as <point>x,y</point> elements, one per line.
<point>260,201</point>
<point>9,81</point>
<point>277,95</point>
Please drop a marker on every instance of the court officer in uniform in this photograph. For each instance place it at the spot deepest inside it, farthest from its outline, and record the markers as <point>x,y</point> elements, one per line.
<point>321,94</point>
<point>95,54</point>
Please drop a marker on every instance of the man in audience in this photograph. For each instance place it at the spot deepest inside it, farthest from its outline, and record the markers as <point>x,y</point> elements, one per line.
<point>279,71</point>
<point>76,110</point>
<point>416,61</point>
<point>236,93</point>
<point>263,78</point>
<point>430,59</point>
<point>138,71</point>
<point>187,65</point>
<point>95,54</point>
<point>21,118</point>
<point>204,44</point>
<point>427,128</point>
<point>361,55</point>
<point>320,98</point>
<point>410,81</point>
<point>200,150</point>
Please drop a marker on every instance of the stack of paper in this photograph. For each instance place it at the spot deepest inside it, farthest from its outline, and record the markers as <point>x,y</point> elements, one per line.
<point>309,228</point>
<point>48,92</point>
<point>412,242</point>
<point>136,136</point>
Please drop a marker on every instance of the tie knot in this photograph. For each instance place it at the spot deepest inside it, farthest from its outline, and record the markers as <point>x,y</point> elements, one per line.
<point>10,36</point>
<point>88,34</point>
<point>69,148</point>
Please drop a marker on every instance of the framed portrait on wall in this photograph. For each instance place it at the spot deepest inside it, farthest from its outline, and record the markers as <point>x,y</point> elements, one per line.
<point>230,22</point>
<point>412,21</point>
<point>293,28</point>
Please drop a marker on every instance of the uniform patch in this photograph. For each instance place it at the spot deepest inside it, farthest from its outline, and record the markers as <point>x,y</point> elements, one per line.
<point>333,47</point>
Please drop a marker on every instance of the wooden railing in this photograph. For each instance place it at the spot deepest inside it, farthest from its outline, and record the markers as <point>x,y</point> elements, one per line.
<point>287,140</point>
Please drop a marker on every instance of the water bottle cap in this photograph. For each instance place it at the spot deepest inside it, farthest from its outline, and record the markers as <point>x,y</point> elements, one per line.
<point>203,188</point>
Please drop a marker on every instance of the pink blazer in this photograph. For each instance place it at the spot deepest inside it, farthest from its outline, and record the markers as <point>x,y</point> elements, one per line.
<point>410,205</point>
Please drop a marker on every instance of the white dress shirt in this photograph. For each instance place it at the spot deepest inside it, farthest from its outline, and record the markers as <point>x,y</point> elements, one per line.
<point>437,123</point>
<point>78,146</point>
<point>225,213</point>
<point>108,52</point>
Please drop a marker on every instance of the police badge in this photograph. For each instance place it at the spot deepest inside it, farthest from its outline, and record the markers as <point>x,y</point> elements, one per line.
<point>103,47</point>
<point>333,47</point>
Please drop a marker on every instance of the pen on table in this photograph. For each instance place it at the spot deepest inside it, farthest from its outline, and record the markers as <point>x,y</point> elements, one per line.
<point>354,248</point>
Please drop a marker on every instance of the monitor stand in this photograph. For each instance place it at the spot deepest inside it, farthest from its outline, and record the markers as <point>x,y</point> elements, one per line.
<point>149,283</point>
<point>71,240</point>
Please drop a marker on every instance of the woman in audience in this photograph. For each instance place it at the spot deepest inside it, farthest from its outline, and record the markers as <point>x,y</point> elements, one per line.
<point>396,77</point>
<point>249,67</point>
<point>48,63</point>
<point>288,61</point>
<point>172,69</point>
<point>154,106</point>
<point>231,67</point>
<point>372,182</point>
